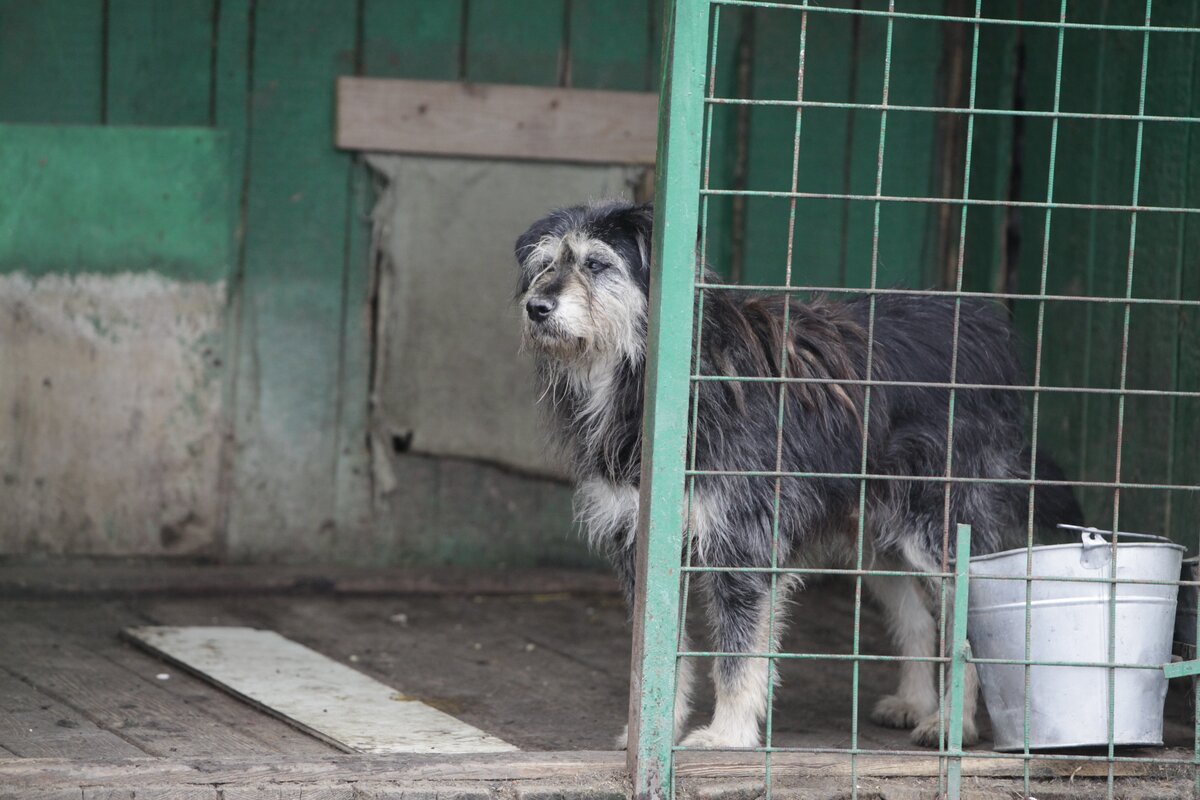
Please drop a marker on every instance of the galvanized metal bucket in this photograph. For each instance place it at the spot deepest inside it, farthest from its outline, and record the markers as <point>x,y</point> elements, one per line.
<point>1071,621</point>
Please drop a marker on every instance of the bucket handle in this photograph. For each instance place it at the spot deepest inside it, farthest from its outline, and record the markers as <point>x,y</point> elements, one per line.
<point>1097,533</point>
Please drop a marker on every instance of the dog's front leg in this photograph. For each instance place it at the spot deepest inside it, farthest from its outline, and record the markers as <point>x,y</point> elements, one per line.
<point>739,607</point>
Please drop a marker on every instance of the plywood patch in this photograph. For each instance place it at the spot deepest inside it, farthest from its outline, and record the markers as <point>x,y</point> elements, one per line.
<point>450,380</point>
<point>317,694</point>
<point>110,424</point>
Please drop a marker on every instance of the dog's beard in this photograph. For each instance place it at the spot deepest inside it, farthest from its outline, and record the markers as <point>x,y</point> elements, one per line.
<point>551,339</point>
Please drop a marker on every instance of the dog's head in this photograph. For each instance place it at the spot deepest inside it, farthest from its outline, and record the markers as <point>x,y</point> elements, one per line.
<point>584,282</point>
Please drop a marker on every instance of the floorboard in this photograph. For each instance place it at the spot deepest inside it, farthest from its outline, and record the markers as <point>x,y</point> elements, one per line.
<point>96,626</point>
<point>33,725</point>
<point>115,698</point>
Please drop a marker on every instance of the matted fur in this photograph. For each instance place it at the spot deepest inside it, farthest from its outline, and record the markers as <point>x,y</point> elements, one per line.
<point>584,280</point>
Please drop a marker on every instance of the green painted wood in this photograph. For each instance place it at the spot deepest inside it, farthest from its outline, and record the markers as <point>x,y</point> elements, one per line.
<point>231,91</point>
<point>283,484</point>
<point>413,39</point>
<point>353,470</point>
<point>907,232</point>
<point>607,46</point>
<point>50,63</point>
<point>819,231</point>
<point>507,45</point>
<point>733,47</point>
<point>159,61</point>
<point>1089,254</point>
<point>231,84</point>
<point>1154,341</point>
<point>1061,426</point>
<point>668,366</point>
<point>986,252</point>
<point>1184,507</point>
<point>109,199</point>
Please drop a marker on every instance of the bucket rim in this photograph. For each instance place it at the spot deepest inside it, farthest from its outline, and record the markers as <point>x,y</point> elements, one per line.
<point>1074,546</point>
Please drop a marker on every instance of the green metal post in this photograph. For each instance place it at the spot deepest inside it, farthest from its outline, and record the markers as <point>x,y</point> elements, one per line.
<point>668,362</point>
<point>960,651</point>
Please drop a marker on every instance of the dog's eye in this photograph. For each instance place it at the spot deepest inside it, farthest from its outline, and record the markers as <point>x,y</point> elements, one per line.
<point>596,265</point>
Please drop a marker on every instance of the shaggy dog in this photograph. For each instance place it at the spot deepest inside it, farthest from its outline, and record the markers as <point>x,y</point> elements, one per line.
<point>584,283</point>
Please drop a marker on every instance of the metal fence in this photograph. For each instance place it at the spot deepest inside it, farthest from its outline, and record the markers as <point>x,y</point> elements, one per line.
<point>684,194</point>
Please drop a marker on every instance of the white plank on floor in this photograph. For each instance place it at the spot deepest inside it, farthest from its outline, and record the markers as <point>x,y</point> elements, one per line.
<point>317,694</point>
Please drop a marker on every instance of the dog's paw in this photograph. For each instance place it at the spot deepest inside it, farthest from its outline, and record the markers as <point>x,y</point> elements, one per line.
<point>929,732</point>
<point>894,711</point>
<point>623,739</point>
<point>710,738</point>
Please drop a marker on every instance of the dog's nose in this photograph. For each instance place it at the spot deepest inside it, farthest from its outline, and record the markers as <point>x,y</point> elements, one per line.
<point>540,307</point>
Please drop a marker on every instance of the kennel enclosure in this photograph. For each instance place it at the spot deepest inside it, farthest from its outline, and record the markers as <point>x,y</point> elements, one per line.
<point>1069,195</point>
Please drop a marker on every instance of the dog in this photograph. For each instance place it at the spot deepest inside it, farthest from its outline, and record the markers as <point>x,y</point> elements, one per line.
<point>584,284</point>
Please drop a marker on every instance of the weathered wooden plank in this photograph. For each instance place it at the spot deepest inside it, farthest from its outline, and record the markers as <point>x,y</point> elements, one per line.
<point>492,120</point>
<point>581,766</point>
<point>159,60</point>
<point>116,698</point>
<point>283,493</point>
<point>114,200</point>
<point>317,694</point>
<point>40,580</point>
<point>51,63</point>
<point>507,45</point>
<point>413,39</point>
<point>95,626</point>
<point>33,725</point>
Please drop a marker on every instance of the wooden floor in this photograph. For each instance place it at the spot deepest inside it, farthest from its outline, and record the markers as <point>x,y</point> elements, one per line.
<point>546,671</point>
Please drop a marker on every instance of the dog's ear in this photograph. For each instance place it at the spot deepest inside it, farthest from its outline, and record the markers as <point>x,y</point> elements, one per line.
<point>637,223</point>
<point>529,239</point>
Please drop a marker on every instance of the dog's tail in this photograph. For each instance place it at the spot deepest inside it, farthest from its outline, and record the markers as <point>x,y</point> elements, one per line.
<point>1053,505</point>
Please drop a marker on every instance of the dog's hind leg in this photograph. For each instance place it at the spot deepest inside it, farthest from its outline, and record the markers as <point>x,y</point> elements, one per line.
<point>932,728</point>
<point>684,684</point>
<point>686,673</point>
<point>740,611</point>
<point>914,633</point>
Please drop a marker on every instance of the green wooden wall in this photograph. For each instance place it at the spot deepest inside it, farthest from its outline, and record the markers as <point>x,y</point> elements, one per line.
<point>261,72</point>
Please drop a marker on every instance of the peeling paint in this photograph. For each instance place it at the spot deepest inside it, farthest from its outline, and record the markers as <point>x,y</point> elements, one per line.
<point>110,414</point>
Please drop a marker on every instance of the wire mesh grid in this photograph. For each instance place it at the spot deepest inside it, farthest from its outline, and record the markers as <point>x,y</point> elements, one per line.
<point>1039,300</point>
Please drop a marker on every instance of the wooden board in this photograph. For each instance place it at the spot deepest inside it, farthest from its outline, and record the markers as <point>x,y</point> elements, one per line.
<point>111,200</point>
<point>497,121</point>
<point>115,698</point>
<point>34,725</point>
<point>51,62</point>
<point>329,700</point>
<point>29,580</point>
<point>95,625</point>
<point>576,766</point>
<point>288,381</point>
<point>525,43</point>
<point>159,62</point>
